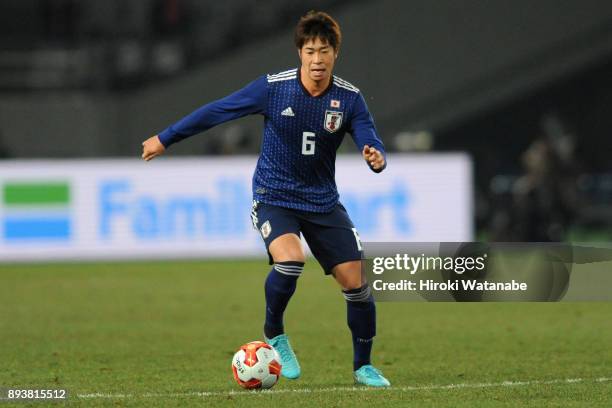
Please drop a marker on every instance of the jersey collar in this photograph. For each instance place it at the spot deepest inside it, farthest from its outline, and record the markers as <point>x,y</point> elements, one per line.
<point>322,94</point>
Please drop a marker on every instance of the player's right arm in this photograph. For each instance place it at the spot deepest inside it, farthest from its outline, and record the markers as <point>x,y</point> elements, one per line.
<point>251,99</point>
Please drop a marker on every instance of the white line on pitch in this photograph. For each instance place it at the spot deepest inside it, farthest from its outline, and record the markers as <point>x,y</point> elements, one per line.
<point>345,389</point>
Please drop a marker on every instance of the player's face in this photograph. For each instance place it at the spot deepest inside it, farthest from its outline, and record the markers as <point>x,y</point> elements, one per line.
<point>318,59</point>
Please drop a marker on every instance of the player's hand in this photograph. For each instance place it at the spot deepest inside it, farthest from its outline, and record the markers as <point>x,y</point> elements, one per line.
<point>152,148</point>
<point>374,157</point>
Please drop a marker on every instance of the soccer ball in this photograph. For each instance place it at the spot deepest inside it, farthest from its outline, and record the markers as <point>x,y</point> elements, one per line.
<point>256,365</point>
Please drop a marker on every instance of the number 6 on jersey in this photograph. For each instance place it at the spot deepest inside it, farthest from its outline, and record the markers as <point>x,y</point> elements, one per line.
<point>308,143</point>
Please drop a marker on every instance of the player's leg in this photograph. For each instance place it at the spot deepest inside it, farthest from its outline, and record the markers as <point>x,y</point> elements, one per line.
<point>360,310</point>
<point>280,232</point>
<point>361,319</point>
<point>334,241</point>
<point>288,257</point>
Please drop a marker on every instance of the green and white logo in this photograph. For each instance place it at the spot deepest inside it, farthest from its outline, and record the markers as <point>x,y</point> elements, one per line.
<point>36,210</point>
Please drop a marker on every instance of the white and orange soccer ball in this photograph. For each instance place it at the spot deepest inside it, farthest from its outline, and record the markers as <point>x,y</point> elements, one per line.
<point>256,365</point>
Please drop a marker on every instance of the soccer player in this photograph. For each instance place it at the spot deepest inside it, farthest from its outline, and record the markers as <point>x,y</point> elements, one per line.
<point>306,114</point>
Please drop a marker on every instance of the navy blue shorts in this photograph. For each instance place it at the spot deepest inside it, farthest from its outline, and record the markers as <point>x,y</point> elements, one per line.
<point>331,237</point>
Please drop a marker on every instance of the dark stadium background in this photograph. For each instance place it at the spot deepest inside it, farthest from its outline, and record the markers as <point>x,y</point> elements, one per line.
<point>503,81</point>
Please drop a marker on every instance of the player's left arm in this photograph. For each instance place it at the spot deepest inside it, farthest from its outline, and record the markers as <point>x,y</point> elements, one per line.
<point>365,136</point>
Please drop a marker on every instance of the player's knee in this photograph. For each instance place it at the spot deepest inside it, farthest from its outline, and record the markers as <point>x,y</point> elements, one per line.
<point>351,284</point>
<point>287,248</point>
<point>348,275</point>
<point>289,256</point>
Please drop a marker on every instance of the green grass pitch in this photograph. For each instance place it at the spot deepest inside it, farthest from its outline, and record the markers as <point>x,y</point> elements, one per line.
<point>162,334</point>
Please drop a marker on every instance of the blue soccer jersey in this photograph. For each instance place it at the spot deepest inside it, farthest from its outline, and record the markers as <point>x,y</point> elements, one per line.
<point>302,133</point>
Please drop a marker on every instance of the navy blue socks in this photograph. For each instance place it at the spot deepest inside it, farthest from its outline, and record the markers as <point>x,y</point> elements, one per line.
<point>360,309</point>
<point>361,319</point>
<point>280,286</point>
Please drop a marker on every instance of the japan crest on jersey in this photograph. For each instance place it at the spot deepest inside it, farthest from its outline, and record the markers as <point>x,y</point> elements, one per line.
<point>333,120</point>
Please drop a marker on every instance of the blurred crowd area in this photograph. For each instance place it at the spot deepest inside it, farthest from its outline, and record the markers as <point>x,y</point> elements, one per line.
<point>119,44</point>
<point>542,161</point>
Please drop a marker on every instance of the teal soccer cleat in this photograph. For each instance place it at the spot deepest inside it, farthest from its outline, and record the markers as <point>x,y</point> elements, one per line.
<point>290,366</point>
<point>369,375</point>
